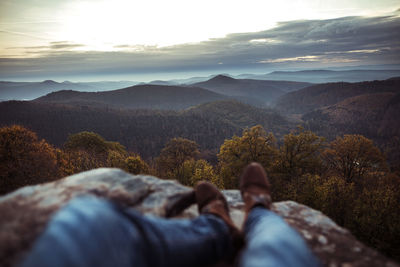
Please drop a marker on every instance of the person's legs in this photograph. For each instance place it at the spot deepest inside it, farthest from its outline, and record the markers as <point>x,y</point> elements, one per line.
<point>270,241</point>
<point>94,232</point>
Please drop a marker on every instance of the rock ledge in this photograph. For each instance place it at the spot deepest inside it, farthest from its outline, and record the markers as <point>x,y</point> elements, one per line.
<point>26,211</point>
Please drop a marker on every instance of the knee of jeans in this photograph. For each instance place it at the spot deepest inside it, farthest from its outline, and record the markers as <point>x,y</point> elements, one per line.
<point>97,219</point>
<point>86,211</point>
<point>86,228</point>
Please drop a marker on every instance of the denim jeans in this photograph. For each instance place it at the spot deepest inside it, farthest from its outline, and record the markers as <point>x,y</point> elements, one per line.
<point>94,232</point>
<point>270,241</point>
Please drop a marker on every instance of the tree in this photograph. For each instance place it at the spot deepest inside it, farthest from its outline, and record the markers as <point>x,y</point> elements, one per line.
<point>88,150</point>
<point>24,159</point>
<point>299,154</point>
<point>174,154</point>
<point>254,145</point>
<point>75,161</point>
<point>116,159</point>
<point>87,141</point>
<point>353,156</point>
<point>195,171</point>
<point>136,165</point>
<point>335,198</point>
<point>376,213</point>
<point>303,189</point>
<point>92,142</point>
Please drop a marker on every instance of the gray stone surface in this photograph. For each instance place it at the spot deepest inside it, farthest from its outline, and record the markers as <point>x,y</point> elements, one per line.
<point>25,212</point>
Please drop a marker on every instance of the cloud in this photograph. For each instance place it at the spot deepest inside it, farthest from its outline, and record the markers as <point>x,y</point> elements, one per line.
<point>64,45</point>
<point>365,40</point>
<point>52,46</point>
<point>292,59</point>
<point>22,34</point>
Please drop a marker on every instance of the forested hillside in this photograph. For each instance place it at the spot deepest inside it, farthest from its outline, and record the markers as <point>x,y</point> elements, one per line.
<point>367,108</point>
<point>142,131</point>
<point>323,95</point>
<point>136,97</point>
<point>372,115</point>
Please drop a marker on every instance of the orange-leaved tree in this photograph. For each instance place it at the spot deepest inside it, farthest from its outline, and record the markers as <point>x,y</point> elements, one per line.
<point>254,145</point>
<point>88,150</point>
<point>24,159</point>
<point>352,156</point>
<point>174,154</point>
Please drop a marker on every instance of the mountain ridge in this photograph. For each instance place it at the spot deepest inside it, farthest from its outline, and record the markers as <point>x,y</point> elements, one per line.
<point>322,95</point>
<point>137,97</point>
<point>256,91</point>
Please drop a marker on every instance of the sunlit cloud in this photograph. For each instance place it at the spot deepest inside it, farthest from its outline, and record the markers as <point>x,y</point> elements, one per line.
<point>312,43</point>
<point>291,59</point>
<point>366,51</point>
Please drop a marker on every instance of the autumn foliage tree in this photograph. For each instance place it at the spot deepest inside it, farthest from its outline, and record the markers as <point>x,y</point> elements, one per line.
<point>195,171</point>
<point>88,150</point>
<point>136,165</point>
<point>25,159</point>
<point>173,155</point>
<point>352,156</point>
<point>254,145</point>
<point>298,158</point>
<point>299,154</point>
<point>376,213</point>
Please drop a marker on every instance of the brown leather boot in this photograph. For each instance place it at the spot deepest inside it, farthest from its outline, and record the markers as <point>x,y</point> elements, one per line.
<point>255,187</point>
<point>211,201</point>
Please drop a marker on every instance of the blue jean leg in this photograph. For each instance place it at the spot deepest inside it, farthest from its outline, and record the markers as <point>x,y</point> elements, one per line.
<point>94,232</point>
<point>270,241</point>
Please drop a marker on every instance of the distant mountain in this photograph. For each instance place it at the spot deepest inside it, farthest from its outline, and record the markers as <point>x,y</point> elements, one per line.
<point>137,97</point>
<point>160,82</point>
<point>255,90</point>
<point>142,131</point>
<point>183,81</point>
<point>326,76</point>
<point>32,90</point>
<point>323,95</point>
<point>109,85</point>
<point>192,80</point>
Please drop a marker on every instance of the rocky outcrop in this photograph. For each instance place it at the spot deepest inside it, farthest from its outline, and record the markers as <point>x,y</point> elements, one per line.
<point>25,212</point>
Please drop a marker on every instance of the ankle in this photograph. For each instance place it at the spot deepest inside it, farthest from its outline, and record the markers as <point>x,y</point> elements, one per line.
<point>252,200</point>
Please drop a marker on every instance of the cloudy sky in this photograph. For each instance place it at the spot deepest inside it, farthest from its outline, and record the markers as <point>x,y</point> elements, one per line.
<point>151,39</point>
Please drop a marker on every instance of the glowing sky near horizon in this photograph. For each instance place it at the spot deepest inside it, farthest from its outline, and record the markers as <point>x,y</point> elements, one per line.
<point>115,25</point>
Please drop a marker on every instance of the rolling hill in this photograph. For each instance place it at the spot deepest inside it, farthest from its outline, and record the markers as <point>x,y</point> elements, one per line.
<point>32,90</point>
<point>323,95</point>
<point>256,91</point>
<point>136,97</point>
<point>372,115</point>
